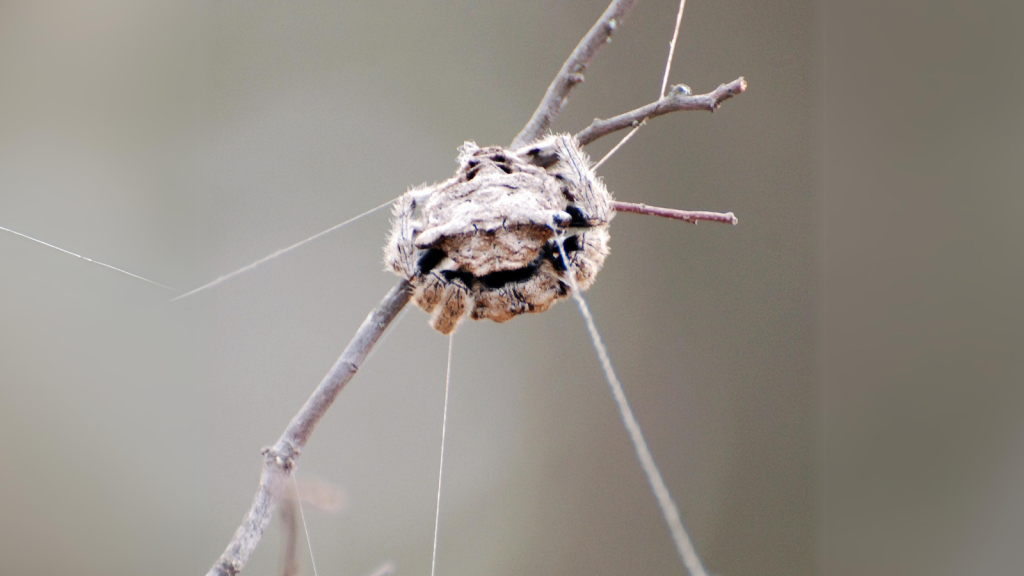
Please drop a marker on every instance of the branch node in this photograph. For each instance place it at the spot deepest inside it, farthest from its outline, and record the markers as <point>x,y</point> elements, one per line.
<point>283,459</point>
<point>678,98</point>
<point>228,567</point>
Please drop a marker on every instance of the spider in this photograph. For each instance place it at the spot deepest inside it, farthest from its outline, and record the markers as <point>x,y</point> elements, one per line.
<point>484,244</point>
<point>594,230</point>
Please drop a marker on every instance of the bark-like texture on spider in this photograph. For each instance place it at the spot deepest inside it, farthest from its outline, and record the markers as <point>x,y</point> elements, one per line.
<point>483,244</point>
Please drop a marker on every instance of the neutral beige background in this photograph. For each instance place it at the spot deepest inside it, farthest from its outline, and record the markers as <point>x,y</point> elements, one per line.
<point>923,288</point>
<point>878,252</point>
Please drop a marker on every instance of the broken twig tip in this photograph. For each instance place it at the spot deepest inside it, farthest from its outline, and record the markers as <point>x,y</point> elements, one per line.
<point>685,215</point>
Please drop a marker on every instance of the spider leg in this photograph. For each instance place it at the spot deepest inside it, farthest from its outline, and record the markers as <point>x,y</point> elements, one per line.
<point>429,292</point>
<point>587,259</point>
<point>455,304</point>
<point>499,304</point>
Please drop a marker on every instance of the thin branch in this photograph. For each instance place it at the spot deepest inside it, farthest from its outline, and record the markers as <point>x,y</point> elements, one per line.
<point>571,73</point>
<point>279,460</point>
<point>684,215</point>
<point>678,98</point>
<point>661,93</point>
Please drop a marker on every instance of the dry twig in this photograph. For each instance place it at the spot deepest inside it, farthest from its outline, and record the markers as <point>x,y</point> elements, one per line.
<point>571,73</point>
<point>678,98</point>
<point>684,215</point>
<point>279,460</point>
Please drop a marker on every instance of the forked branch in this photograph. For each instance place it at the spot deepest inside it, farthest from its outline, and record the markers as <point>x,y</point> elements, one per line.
<point>571,73</point>
<point>678,98</point>
<point>279,460</point>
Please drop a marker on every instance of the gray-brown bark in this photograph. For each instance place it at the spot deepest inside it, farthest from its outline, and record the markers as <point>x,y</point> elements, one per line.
<point>676,99</point>
<point>279,459</point>
<point>571,73</point>
<point>691,216</point>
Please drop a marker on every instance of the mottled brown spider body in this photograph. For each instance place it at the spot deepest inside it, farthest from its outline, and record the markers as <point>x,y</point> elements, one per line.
<point>484,243</point>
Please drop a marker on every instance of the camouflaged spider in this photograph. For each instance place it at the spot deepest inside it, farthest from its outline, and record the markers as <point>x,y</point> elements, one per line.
<point>484,243</point>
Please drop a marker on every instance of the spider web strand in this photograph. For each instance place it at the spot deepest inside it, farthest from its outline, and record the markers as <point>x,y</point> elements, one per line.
<point>684,546</point>
<point>664,84</point>
<point>616,147</point>
<point>672,47</point>
<point>114,268</point>
<point>305,529</point>
<point>280,252</point>
<point>440,472</point>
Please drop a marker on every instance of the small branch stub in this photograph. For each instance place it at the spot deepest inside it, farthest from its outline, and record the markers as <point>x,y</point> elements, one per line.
<point>678,98</point>
<point>691,216</point>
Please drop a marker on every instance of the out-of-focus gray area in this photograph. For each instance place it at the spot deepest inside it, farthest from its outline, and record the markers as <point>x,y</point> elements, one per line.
<point>182,141</point>
<point>924,276</point>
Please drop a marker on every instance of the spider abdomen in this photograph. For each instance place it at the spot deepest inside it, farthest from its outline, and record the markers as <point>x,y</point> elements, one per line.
<point>484,243</point>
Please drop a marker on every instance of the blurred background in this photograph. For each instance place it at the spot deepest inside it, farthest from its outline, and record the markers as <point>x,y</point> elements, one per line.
<point>829,387</point>
<point>924,271</point>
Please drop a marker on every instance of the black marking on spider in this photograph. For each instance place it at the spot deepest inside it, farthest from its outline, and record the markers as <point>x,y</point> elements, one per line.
<point>483,244</point>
